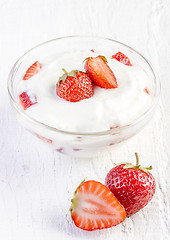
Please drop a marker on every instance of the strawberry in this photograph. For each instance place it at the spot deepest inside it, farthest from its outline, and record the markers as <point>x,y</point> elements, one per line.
<point>114,127</point>
<point>132,185</point>
<point>34,69</point>
<point>43,138</point>
<point>95,207</point>
<point>26,100</point>
<point>99,71</point>
<point>122,58</point>
<point>74,86</point>
<point>146,90</point>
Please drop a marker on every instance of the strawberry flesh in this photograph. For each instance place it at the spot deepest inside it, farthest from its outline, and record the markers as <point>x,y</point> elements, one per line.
<point>32,70</point>
<point>122,58</point>
<point>95,207</point>
<point>44,139</point>
<point>99,71</point>
<point>146,90</point>
<point>25,100</point>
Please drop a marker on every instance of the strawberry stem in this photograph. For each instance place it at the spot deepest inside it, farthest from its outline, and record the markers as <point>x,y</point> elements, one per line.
<point>137,159</point>
<point>148,168</point>
<point>64,71</point>
<point>129,165</point>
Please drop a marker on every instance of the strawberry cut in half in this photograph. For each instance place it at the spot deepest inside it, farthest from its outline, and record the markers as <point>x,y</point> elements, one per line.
<point>26,100</point>
<point>95,207</point>
<point>122,58</point>
<point>74,86</point>
<point>100,73</point>
<point>32,70</point>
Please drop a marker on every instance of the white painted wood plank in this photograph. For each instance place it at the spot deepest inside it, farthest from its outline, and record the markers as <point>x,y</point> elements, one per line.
<point>36,184</point>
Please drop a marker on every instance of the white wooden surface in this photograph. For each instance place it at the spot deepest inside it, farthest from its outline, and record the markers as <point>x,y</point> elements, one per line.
<point>36,184</point>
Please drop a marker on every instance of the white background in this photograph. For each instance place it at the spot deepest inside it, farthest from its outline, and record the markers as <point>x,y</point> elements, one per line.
<point>36,184</point>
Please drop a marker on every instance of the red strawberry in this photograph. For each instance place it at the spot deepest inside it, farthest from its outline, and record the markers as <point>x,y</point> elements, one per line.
<point>25,100</point>
<point>114,127</point>
<point>122,58</point>
<point>44,139</point>
<point>100,72</point>
<point>95,207</point>
<point>34,69</point>
<point>132,185</point>
<point>146,90</point>
<point>74,86</point>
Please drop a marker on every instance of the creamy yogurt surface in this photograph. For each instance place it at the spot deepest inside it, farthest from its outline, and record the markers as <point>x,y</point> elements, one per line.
<point>107,108</point>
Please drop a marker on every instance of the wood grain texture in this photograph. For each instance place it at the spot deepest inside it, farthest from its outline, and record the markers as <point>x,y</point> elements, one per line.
<point>36,184</point>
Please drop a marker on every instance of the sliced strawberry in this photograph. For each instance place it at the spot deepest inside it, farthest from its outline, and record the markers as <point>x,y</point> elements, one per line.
<point>99,71</point>
<point>95,207</point>
<point>146,90</point>
<point>122,58</point>
<point>44,139</point>
<point>26,101</point>
<point>34,69</point>
<point>114,127</point>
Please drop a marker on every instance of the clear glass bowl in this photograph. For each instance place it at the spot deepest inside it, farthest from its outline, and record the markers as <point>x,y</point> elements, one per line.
<point>78,144</point>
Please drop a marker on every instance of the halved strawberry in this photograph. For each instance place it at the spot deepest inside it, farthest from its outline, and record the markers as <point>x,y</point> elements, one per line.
<point>122,58</point>
<point>34,69</point>
<point>99,71</point>
<point>95,207</point>
<point>26,101</point>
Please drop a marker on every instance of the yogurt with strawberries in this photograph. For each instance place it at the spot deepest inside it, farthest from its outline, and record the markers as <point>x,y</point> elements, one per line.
<point>106,109</point>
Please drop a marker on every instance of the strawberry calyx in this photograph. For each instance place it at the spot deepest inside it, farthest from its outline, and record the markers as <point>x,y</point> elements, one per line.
<point>74,86</point>
<point>103,57</point>
<point>67,74</point>
<point>137,166</point>
<point>73,200</point>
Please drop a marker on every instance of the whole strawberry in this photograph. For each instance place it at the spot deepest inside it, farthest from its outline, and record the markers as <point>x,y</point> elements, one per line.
<point>132,185</point>
<point>99,71</point>
<point>74,86</point>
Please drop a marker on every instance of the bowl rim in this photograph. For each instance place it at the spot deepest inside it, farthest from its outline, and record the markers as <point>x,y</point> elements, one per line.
<point>102,133</point>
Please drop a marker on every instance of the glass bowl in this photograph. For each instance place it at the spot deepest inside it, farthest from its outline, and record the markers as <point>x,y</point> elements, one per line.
<point>74,143</point>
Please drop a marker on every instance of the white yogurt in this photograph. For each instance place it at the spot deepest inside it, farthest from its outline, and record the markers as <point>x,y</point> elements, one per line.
<point>105,109</point>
